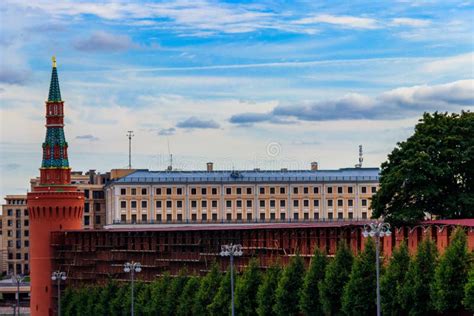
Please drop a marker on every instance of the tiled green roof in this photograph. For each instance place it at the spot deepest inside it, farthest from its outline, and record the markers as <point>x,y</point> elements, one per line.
<point>54,92</point>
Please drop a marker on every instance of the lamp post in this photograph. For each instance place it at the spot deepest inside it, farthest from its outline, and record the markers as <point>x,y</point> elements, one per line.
<point>231,251</point>
<point>59,276</point>
<point>132,267</point>
<point>16,280</point>
<point>377,230</point>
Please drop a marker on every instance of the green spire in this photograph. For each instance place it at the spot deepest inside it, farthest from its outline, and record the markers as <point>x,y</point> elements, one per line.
<point>54,92</point>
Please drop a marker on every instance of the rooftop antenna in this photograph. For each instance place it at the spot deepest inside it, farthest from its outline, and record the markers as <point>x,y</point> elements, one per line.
<point>170,167</point>
<point>130,135</point>
<point>361,157</point>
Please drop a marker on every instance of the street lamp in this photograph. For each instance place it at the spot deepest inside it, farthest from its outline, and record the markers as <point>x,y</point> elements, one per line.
<point>132,267</point>
<point>377,230</point>
<point>231,251</point>
<point>59,276</point>
<point>16,280</point>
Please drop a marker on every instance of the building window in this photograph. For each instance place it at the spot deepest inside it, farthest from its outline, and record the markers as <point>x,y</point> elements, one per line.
<point>329,190</point>
<point>249,190</point>
<point>315,190</point>
<point>282,216</point>
<point>27,233</point>
<point>179,204</point>
<point>228,191</point>
<point>26,213</point>
<point>282,190</point>
<point>86,207</point>
<point>350,190</point>
<point>214,217</point>
<point>134,191</point>
<point>296,216</point>
<point>133,204</point>
<point>204,217</point>
<point>10,212</point>
<point>158,204</point>
<point>169,191</point>
<point>97,219</point>
<point>340,203</point>
<point>193,217</point>
<point>204,204</point>
<point>282,203</point>
<point>329,203</point>
<point>305,190</point>
<point>193,191</point>
<point>249,216</point>
<point>144,204</point>
<point>180,217</point>
<point>262,203</point>
<point>296,203</point>
<point>144,191</point>
<point>239,203</point>
<point>272,216</point>
<point>374,189</point>
<point>306,216</point>
<point>229,217</point>
<point>168,217</point>
<point>239,191</point>
<point>305,203</point>
<point>193,204</point>
<point>316,215</point>
<point>350,203</point>
<point>86,220</point>
<point>295,190</point>
<point>169,204</point>
<point>272,190</point>
<point>364,189</point>
<point>214,191</point>
<point>364,215</point>
<point>86,194</point>
<point>203,191</point>
<point>158,191</point>
<point>364,202</point>
<point>316,203</point>
<point>272,203</point>
<point>262,190</point>
<point>144,217</point>
<point>351,215</point>
<point>158,217</point>
<point>262,216</point>
<point>214,204</point>
<point>339,215</point>
<point>123,218</point>
<point>249,203</point>
<point>123,191</point>
<point>179,191</point>
<point>330,215</point>
<point>123,204</point>
<point>228,203</point>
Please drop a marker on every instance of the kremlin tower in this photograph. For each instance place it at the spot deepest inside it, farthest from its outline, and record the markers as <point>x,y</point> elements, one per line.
<point>54,204</point>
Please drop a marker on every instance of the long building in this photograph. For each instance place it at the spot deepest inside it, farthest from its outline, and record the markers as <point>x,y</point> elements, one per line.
<point>145,196</point>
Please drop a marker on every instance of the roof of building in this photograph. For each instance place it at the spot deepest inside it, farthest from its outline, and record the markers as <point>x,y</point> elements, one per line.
<point>54,92</point>
<point>229,176</point>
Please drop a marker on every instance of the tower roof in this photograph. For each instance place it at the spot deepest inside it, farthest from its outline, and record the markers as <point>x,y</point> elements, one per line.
<point>54,92</point>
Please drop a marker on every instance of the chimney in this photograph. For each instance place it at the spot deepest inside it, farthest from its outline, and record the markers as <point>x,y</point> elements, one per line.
<point>210,166</point>
<point>314,166</point>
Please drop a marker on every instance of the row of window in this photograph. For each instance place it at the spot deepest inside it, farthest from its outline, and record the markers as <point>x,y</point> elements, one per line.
<point>18,256</point>
<point>248,191</point>
<point>17,212</point>
<point>26,243</point>
<point>87,220</point>
<point>16,202</point>
<point>249,217</point>
<point>238,203</point>
<point>26,223</point>
<point>18,233</point>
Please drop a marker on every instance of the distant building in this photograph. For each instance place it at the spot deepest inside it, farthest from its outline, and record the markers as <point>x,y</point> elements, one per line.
<point>241,196</point>
<point>15,235</point>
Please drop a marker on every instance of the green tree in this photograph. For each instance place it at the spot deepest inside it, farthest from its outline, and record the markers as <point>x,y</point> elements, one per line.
<point>207,290</point>
<point>309,296</point>
<point>266,290</point>
<point>173,293</point>
<point>143,297</point>
<point>335,278</point>
<point>431,172</point>
<point>451,274</point>
<point>67,301</point>
<point>220,304</point>
<point>159,289</point>
<point>188,297</point>
<point>392,280</point>
<point>359,296</point>
<point>415,293</point>
<point>289,286</point>
<point>468,301</point>
<point>246,289</point>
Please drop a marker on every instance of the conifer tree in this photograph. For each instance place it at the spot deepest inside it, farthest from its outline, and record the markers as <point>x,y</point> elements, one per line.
<point>143,296</point>
<point>266,290</point>
<point>309,296</point>
<point>359,296</point>
<point>451,274</point>
<point>207,290</point>
<point>188,297</point>
<point>335,277</point>
<point>176,287</point>
<point>116,304</point>
<point>392,280</point>
<point>220,304</point>
<point>159,288</point>
<point>468,300</point>
<point>289,286</point>
<point>415,292</point>
<point>246,289</point>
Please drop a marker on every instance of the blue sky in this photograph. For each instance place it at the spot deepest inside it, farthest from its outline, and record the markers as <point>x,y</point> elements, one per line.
<point>245,84</point>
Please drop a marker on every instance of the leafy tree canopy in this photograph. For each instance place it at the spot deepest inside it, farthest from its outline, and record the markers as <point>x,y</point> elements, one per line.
<point>432,172</point>
<point>289,286</point>
<point>309,296</point>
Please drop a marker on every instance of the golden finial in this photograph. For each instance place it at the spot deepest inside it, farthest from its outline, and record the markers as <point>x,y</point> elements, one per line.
<point>54,61</point>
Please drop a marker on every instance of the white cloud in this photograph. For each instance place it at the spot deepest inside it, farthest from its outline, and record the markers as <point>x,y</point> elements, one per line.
<point>346,21</point>
<point>410,22</point>
<point>100,41</point>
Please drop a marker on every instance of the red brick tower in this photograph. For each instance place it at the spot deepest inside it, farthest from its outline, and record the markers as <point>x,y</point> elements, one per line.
<point>54,205</point>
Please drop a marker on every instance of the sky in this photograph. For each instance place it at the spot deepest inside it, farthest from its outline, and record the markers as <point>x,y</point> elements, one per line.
<point>265,84</point>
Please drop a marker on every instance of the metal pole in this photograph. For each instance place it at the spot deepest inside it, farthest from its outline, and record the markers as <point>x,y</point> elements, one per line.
<point>132,274</point>
<point>130,135</point>
<point>18,295</point>
<point>377,267</point>
<point>232,281</point>
<point>59,296</point>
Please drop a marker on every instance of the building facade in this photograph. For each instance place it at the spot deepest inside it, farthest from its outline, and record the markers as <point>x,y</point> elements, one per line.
<point>241,196</point>
<point>15,235</point>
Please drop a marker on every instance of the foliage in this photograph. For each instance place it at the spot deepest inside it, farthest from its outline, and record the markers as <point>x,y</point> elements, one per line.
<point>266,290</point>
<point>431,172</point>
<point>289,285</point>
<point>246,289</point>
<point>335,277</point>
<point>415,293</point>
<point>188,296</point>
<point>175,288</point>
<point>451,275</point>
<point>392,281</point>
<point>309,295</point>
<point>159,290</point>
<point>469,291</point>
<point>208,289</point>
<point>221,302</point>
<point>359,296</point>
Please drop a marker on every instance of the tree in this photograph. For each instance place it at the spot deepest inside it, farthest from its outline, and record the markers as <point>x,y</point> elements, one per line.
<point>309,296</point>
<point>392,280</point>
<point>246,289</point>
<point>359,296</point>
<point>336,276</point>
<point>159,289</point>
<point>173,293</point>
<point>143,297</point>
<point>415,293</point>
<point>468,301</point>
<point>289,285</point>
<point>188,296</point>
<point>207,290</point>
<point>266,290</point>
<point>221,302</point>
<point>451,274</point>
<point>432,172</point>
